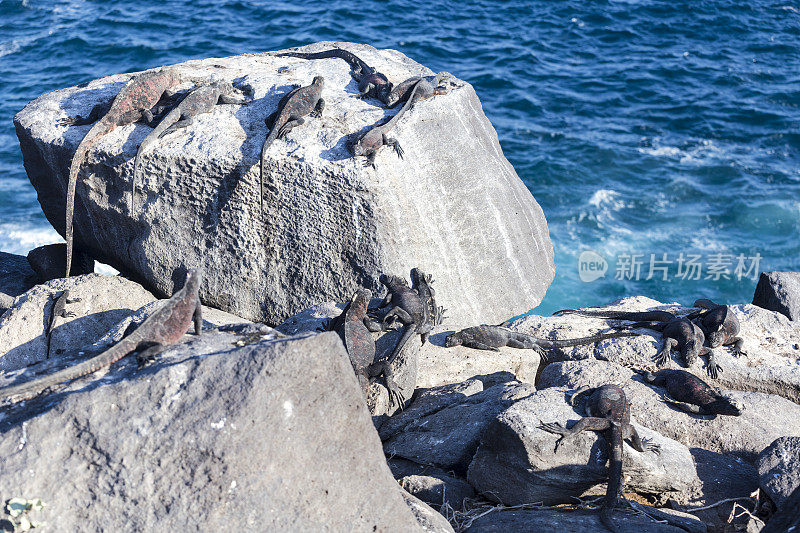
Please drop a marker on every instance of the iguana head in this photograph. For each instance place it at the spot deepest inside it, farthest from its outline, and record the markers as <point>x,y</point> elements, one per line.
<point>454,339</point>
<point>361,300</point>
<point>727,406</point>
<point>318,81</point>
<point>392,282</point>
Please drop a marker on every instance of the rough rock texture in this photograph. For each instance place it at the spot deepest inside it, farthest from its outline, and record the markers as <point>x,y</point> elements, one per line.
<point>334,225</point>
<point>779,469</point>
<point>765,417</point>
<point>553,521</point>
<point>771,340</point>
<point>515,463</point>
<point>270,436</point>
<point>779,291</point>
<point>16,277</point>
<point>448,437</point>
<point>105,301</point>
<point>430,520</point>
<point>433,485</point>
<point>436,365</point>
<point>49,262</point>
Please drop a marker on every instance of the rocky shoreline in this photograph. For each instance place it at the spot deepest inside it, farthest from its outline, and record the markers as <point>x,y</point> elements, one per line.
<point>261,423</point>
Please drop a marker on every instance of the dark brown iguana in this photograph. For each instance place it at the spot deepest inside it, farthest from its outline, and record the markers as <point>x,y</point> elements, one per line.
<point>132,103</point>
<point>376,138</point>
<point>406,308</point>
<point>678,333</point>
<point>354,328</point>
<point>370,81</point>
<point>296,104</point>
<point>719,324</point>
<point>423,284</point>
<point>165,326</point>
<point>198,101</point>
<point>59,311</point>
<point>402,91</point>
<point>690,393</point>
<point>494,337</point>
<point>608,411</point>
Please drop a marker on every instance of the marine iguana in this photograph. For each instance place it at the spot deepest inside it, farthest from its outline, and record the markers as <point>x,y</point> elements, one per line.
<point>423,284</point>
<point>487,337</point>
<point>608,411</point>
<point>402,91</point>
<point>164,327</point>
<point>678,333</point>
<point>370,81</point>
<point>132,103</point>
<point>690,393</point>
<point>719,324</point>
<point>354,327</point>
<point>296,104</point>
<point>198,101</point>
<point>59,310</point>
<point>374,139</point>
<point>407,308</point>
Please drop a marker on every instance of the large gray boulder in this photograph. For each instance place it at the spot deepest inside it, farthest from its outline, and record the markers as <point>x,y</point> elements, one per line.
<point>269,436</point>
<point>779,469</point>
<point>779,291</point>
<point>765,416</point>
<point>516,463</point>
<point>771,340</point>
<point>454,206</point>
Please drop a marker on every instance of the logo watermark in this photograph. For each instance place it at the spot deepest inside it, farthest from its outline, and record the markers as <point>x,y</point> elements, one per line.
<point>591,266</point>
<point>665,267</point>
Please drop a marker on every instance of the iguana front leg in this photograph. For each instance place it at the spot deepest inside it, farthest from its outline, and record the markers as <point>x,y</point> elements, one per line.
<point>738,347</point>
<point>148,353</point>
<point>289,126</point>
<point>663,356</point>
<point>587,423</point>
<point>317,113</point>
<point>388,141</point>
<point>639,444</point>
<point>183,123</point>
<point>712,367</point>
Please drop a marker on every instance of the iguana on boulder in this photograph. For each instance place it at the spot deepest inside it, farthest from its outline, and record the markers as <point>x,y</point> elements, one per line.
<point>198,101</point>
<point>690,393</point>
<point>131,104</point>
<point>406,308</point>
<point>608,411</point>
<point>370,81</point>
<point>494,337</point>
<point>719,324</point>
<point>164,327</point>
<point>376,138</point>
<point>402,91</point>
<point>423,284</point>
<point>678,333</point>
<point>355,327</point>
<point>296,104</point>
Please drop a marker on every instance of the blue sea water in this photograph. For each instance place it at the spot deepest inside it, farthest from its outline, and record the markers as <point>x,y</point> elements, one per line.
<point>643,128</point>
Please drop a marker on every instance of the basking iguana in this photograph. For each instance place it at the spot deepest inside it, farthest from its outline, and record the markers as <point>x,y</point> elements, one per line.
<point>423,284</point>
<point>376,138</point>
<point>402,91</point>
<point>690,393</point>
<point>131,104</point>
<point>198,101</point>
<point>165,326</point>
<point>370,81</point>
<point>608,411</point>
<point>406,308</point>
<point>678,333</point>
<point>296,104</point>
<point>719,324</point>
<point>59,311</point>
<point>494,337</point>
<point>354,327</point>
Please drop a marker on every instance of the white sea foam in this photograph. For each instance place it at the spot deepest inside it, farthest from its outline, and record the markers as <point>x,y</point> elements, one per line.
<point>696,153</point>
<point>9,48</point>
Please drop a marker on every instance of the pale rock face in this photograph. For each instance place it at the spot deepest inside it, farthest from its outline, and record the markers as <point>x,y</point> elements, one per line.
<point>453,206</point>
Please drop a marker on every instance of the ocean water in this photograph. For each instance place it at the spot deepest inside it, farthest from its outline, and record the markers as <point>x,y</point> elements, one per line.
<point>661,138</point>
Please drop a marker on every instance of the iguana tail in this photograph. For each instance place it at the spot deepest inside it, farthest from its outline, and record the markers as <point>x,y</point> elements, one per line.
<point>662,316</point>
<point>565,343</point>
<point>95,133</point>
<point>353,60</point>
<point>614,491</point>
<point>26,391</point>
